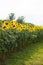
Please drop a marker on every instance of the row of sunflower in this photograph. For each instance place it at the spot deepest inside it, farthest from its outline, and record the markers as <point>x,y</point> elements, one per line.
<point>19,27</point>
<point>10,40</point>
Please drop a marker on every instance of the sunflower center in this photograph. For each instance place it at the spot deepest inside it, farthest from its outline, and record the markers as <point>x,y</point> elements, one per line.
<point>6,23</point>
<point>13,25</point>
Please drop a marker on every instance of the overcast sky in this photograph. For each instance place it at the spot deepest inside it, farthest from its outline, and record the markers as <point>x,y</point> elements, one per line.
<point>31,9</point>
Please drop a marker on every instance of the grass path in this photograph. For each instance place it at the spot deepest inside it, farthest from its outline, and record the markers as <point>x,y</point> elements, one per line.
<point>32,55</point>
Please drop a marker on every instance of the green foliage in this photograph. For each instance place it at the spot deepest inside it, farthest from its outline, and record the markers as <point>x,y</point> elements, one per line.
<point>11,16</point>
<point>32,55</point>
<point>20,19</point>
<point>12,40</point>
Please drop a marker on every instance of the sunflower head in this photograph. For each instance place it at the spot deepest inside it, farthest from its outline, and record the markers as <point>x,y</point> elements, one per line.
<point>5,23</point>
<point>20,28</point>
<point>24,27</point>
<point>31,29</point>
<point>13,26</point>
<point>4,27</point>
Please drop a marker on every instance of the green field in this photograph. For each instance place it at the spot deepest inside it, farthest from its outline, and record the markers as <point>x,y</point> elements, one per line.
<point>32,55</point>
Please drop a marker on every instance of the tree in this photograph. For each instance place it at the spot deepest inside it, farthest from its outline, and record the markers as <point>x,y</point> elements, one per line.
<point>11,16</point>
<point>20,19</point>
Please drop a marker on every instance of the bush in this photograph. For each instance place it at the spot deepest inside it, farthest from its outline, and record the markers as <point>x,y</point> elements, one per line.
<point>13,39</point>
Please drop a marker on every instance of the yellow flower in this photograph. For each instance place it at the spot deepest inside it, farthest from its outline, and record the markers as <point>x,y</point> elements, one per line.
<point>28,26</point>
<point>11,21</point>
<point>13,24</point>
<point>20,27</point>
<point>5,23</point>
<point>4,27</point>
<point>24,27</point>
<point>31,29</point>
<point>38,27</point>
<point>34,29</point>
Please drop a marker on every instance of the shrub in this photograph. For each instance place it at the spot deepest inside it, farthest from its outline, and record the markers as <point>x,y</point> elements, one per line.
<point>14,36</point>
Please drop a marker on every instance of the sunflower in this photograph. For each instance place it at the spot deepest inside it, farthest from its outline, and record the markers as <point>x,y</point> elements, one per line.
<point>28,26</point>
<point>13,26</point>
<point>6,23</point>
<point>24,26</point>
<point>20,27</point>
<point>31,29</point>
<point>4,27</point>
<point>13,22</point>
<point>34,28</point>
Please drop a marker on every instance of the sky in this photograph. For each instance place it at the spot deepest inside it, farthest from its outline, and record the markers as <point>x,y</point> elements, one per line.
<point>32,10</point>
